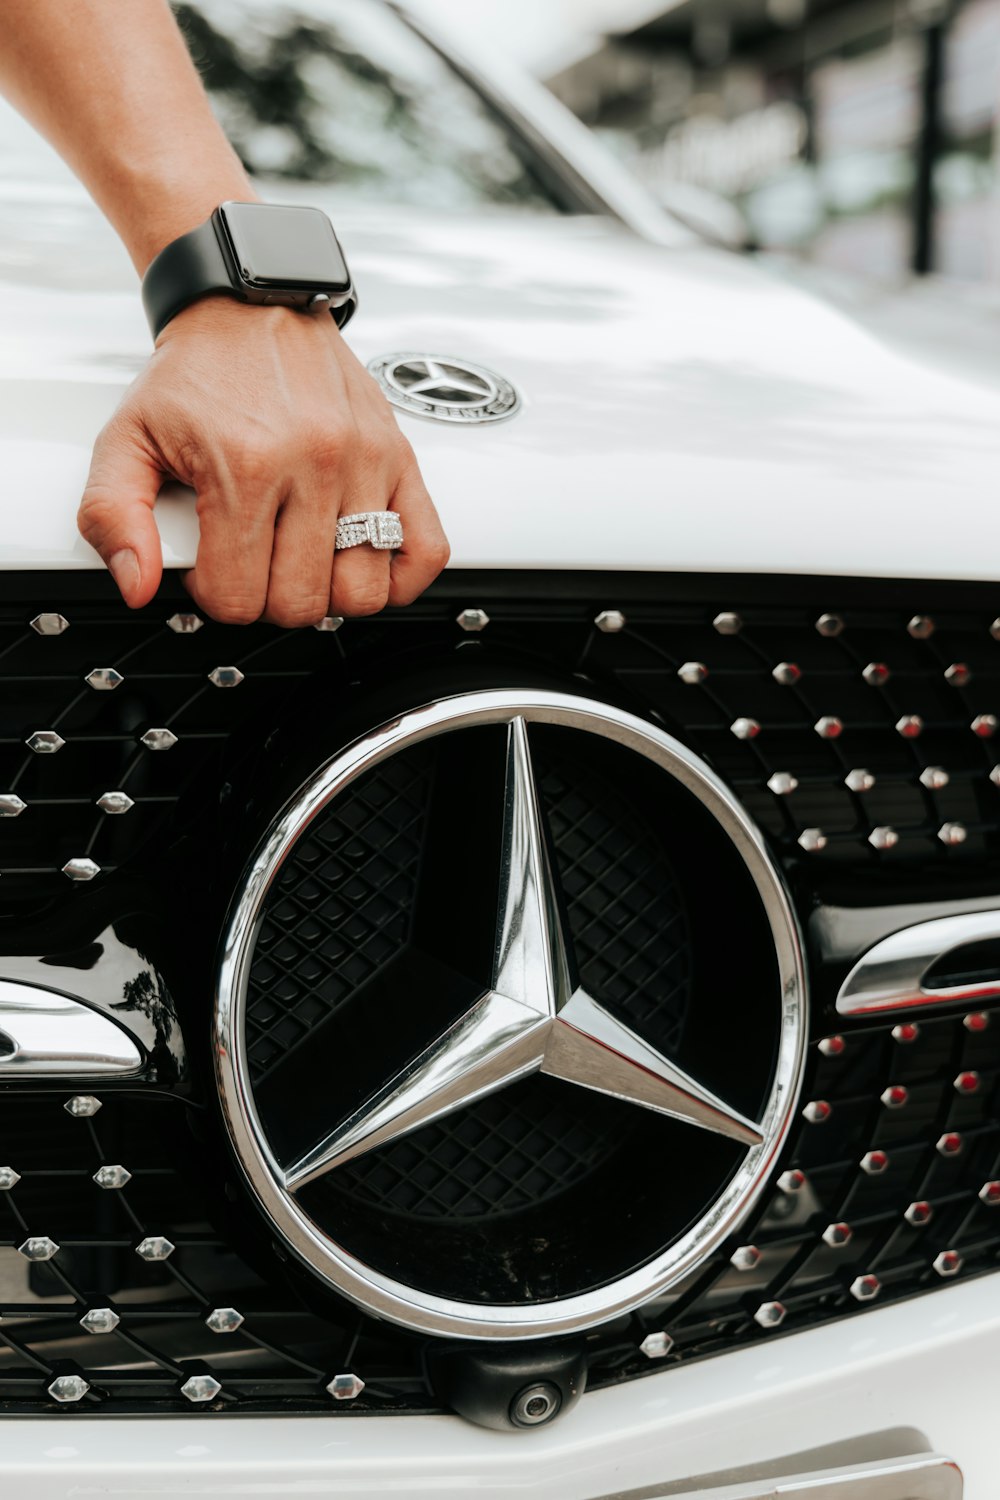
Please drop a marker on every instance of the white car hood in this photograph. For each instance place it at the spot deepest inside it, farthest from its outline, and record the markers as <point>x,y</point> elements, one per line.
<point>683,410</point>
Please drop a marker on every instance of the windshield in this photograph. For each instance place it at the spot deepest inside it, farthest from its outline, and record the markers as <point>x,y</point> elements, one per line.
<point>343,93</point>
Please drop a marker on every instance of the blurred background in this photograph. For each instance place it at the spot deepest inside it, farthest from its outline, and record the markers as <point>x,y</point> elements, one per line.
<point>860,135</point>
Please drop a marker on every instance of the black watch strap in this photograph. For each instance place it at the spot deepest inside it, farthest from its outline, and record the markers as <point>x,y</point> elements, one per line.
<point>196,265</point>
<point>190,267</point>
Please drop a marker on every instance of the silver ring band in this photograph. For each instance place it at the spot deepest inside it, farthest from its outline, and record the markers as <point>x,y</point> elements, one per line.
<point>381,529</point>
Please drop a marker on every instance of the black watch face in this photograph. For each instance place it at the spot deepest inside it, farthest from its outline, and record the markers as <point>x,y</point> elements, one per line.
<point>285,247</point>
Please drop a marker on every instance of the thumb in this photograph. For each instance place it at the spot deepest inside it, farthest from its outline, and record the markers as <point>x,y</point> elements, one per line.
<point>116,512</point>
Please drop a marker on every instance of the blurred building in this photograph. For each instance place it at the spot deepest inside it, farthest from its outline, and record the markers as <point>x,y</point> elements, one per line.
<point>862,133</point>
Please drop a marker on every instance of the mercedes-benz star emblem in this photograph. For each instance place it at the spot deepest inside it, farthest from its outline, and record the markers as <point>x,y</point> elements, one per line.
<point>533,1018</point>
<point>443,388</point>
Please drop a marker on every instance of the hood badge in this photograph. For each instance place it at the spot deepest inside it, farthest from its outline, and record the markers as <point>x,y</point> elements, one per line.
<point>444,389</point>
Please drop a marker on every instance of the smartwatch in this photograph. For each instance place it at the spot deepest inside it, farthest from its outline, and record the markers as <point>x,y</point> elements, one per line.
<point>256,252</point>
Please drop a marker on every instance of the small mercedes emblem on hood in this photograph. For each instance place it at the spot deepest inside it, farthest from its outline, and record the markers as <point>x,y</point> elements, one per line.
<point>443,388</point>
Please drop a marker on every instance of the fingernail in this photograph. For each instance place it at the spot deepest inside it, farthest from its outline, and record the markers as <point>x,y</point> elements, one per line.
<point>124,566</point>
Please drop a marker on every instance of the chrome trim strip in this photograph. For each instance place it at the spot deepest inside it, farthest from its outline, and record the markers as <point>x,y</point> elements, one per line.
<point>927,1477</point>
<point>372,1289</point>
<point>890,976</point>
<point>52,1036</point>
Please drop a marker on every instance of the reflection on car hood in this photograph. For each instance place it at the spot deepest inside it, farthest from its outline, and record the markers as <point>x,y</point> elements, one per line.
<point>682,408</point>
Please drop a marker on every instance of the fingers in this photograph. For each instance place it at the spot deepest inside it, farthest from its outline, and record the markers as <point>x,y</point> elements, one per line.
<point>361,574</point>
<point>425,550</point>
<point>298,591</point>
<point>237,510</point>
<point>116,511</point>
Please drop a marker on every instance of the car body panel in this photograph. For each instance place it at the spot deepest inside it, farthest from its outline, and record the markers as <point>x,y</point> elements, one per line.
<point>906,1378</point>
<point>682,410</point>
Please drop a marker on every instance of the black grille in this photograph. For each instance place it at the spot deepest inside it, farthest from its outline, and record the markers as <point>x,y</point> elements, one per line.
<point>293,1338</point>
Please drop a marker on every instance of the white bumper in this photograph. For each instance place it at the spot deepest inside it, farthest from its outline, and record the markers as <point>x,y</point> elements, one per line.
<point>920,1373</point>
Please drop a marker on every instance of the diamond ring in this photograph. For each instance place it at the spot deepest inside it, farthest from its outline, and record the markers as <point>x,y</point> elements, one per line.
<point>381,529</point>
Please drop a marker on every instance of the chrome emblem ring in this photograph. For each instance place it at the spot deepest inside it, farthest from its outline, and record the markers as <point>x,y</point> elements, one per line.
<point>444,389</point>
<point>535,1015</point>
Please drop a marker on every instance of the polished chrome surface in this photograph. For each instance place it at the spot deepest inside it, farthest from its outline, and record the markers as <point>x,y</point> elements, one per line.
<point>890,976</point>
<point>691,672</point>
<point>910,726</point>
<point>728,622</point>
<point>770,1314</point>
<point>159,739</point>
<point>865,1288</point>
<point>82,1106</point>
<point>744,1258</point>
<point>958,674</point>
<point>8,1178</point>
<point>782,784</point>
<point>989,1194</point>
<point>529,1019</point>
<point>787,673</point>
<point>830,625</point>
<point>49,624</point>
<point>874,1163</point>
<point>38,1247</point>
<point>104,679</point>
<point>948,1263</point>
<point>11,805</point>
<point>985,726</point>
<point>952,833</point>
<point>45,1035</point>
<point>154,1247</point>
<point>817,1111</point>
<point>792,1181</point>
<point>829,727</point>
<point>100,1320</point>
<point>921,627</point>
<point>876,674</point>
<point>444,388</point>
<point>115,803</point>
<point>81,869</point>
<point>837,1235</point>
<point>656,1345</point>
<point>812,840</point>
<point>919,1213</point>
<point>225,677</point>
<point>114,1176</point>
<point>185,624</point>
<point>224,1320</point>
<point>895,1096</point>
<point>329,623</point>
<point>68,1388</point>
<point>45,742</point>
<point>610,621</point>
<point>472,620</point>
<point>924,1476</point>
<point>746,729</point>
<point>883,837</point>
<point>859,780</point>
<point>345,1387</point>
<point>200,1388</point>
<point>934,778</point>
<point>532,1019</point>
<point>949,1144</point>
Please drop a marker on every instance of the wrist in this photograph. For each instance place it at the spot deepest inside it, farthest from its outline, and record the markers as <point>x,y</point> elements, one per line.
<point>161,208</point>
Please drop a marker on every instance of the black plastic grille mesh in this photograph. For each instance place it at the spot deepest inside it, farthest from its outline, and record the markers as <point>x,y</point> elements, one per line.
<point>285,1351</point>
<point>342,909</point>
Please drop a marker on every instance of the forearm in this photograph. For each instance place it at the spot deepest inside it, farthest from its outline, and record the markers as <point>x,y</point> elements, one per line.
<point>111,84</point>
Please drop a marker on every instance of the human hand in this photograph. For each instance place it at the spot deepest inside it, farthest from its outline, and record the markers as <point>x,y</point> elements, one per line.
<point>270,418</point>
